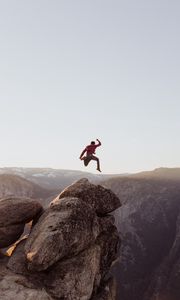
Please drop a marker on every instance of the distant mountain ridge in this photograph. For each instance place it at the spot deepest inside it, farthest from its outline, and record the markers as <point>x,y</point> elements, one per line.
<point>148,222</point>
<point>161,173</point>
<point>19,187</point>
<point>54,178</point>
<point>132,183</point>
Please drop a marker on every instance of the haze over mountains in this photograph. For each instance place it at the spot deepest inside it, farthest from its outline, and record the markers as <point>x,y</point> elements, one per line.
<point>53,178</point>
<point>148,223</point>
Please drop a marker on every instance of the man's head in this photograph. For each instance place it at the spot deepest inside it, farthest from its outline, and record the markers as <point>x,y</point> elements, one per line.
<point>92,143</point>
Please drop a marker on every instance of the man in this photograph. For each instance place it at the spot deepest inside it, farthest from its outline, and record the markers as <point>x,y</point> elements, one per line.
<point>90,150</point>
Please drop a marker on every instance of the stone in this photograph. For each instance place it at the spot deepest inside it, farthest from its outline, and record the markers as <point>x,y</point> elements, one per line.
<point>17,261</point>
<point>63,230</point>
<point>102,200</point>
<point>77,277</point>
<point>109,242</point>
<point>18,211</point>
<point>9,234</point>
<point>107,292</point>
<point>18,287</point>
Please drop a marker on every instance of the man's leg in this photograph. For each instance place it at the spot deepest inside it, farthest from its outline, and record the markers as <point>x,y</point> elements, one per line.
<point>87,159</point>
<point>98,163</point>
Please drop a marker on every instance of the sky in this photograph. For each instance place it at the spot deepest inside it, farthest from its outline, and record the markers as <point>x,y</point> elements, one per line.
<point>73,71</point>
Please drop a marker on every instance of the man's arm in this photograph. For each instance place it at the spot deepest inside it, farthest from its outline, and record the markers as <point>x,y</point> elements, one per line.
<point>84,151</point>
<point>99,143</point>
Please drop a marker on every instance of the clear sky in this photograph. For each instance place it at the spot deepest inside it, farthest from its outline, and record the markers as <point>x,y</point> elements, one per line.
<point>72,71</point>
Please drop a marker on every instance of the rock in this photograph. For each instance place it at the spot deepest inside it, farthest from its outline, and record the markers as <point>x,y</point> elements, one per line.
<point>9,234</point>
<point>147,223</point>
<point>18,211</point>
<point>102,200</point>
<point>18,287</point>
<point>67,255</point>
<point>109,243</point>
<point>63,230</point>
<point>17,261</point>
<point>3,262</point>
<point>108,291</point>
<point>77,277</point>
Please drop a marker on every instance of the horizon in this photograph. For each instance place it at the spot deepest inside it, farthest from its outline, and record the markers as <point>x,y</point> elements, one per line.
<point>99,174</point>
<point>72,72</point>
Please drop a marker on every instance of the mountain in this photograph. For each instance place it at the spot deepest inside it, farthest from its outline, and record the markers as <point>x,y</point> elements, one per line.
<point>16,186</point>
<point>161,173</point>
<point>148,223</point>
<point>53,178</point>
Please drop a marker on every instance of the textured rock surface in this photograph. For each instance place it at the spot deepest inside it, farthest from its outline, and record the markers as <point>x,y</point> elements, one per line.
<point>18,211</point>
<point>102,200</point>
<point>109,242</point>
<point>63,230</point>
<point>18,287</point>
<point>147,222</point>
<point>67,256</point>
<point>108,291</point>
<point>86,270</point>
<point>9,234</point>
<point>81,272</point>
<point>17,262</point>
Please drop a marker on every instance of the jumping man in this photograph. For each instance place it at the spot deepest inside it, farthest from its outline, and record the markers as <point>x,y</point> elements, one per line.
<point>90,150</point>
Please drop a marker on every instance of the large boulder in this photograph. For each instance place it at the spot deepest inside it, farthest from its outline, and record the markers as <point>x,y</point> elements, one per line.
<point>17,261</point>
<point>18,211</point>
<point>14,214</point>
<point>81,276</point>
<point>63,230</point>
<point>67,255</point>
<point>75,278</point>
<point>102,200</point>
<point>9,234</point>
<point>14,286</point>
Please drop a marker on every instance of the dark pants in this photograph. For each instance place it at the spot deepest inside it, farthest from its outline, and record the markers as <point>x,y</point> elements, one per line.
<point>88,158</point>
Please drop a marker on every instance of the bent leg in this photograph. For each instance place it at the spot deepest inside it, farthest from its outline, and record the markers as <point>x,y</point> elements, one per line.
<point>87,159</point>
<point>97,160</point>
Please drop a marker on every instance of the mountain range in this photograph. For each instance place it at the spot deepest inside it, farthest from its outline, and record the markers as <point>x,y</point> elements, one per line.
<point>148,221</point>
<point>53,179</point>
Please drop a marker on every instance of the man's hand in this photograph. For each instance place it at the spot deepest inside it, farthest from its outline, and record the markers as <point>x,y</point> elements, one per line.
<point>99,143</point>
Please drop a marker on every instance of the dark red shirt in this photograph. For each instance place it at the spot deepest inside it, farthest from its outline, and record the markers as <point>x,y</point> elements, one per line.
<point>90,149</point>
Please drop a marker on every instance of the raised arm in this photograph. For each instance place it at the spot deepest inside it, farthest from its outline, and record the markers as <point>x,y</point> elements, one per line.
<point>99,143</point>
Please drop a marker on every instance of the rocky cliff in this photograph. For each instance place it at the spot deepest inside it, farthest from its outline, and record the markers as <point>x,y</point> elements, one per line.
<point>148,222</point>
<point>69,251</point>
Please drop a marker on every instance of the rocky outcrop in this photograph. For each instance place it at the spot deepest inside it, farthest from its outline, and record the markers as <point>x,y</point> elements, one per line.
<point>19,287</point>
<point>148,222</point>
<point>63,230</point>
<point>9,234</point>
<point>15,213</point>
<point>69,252</point>
<point>102,200</point>
<point>81,271</point>
<point>17,210</point>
